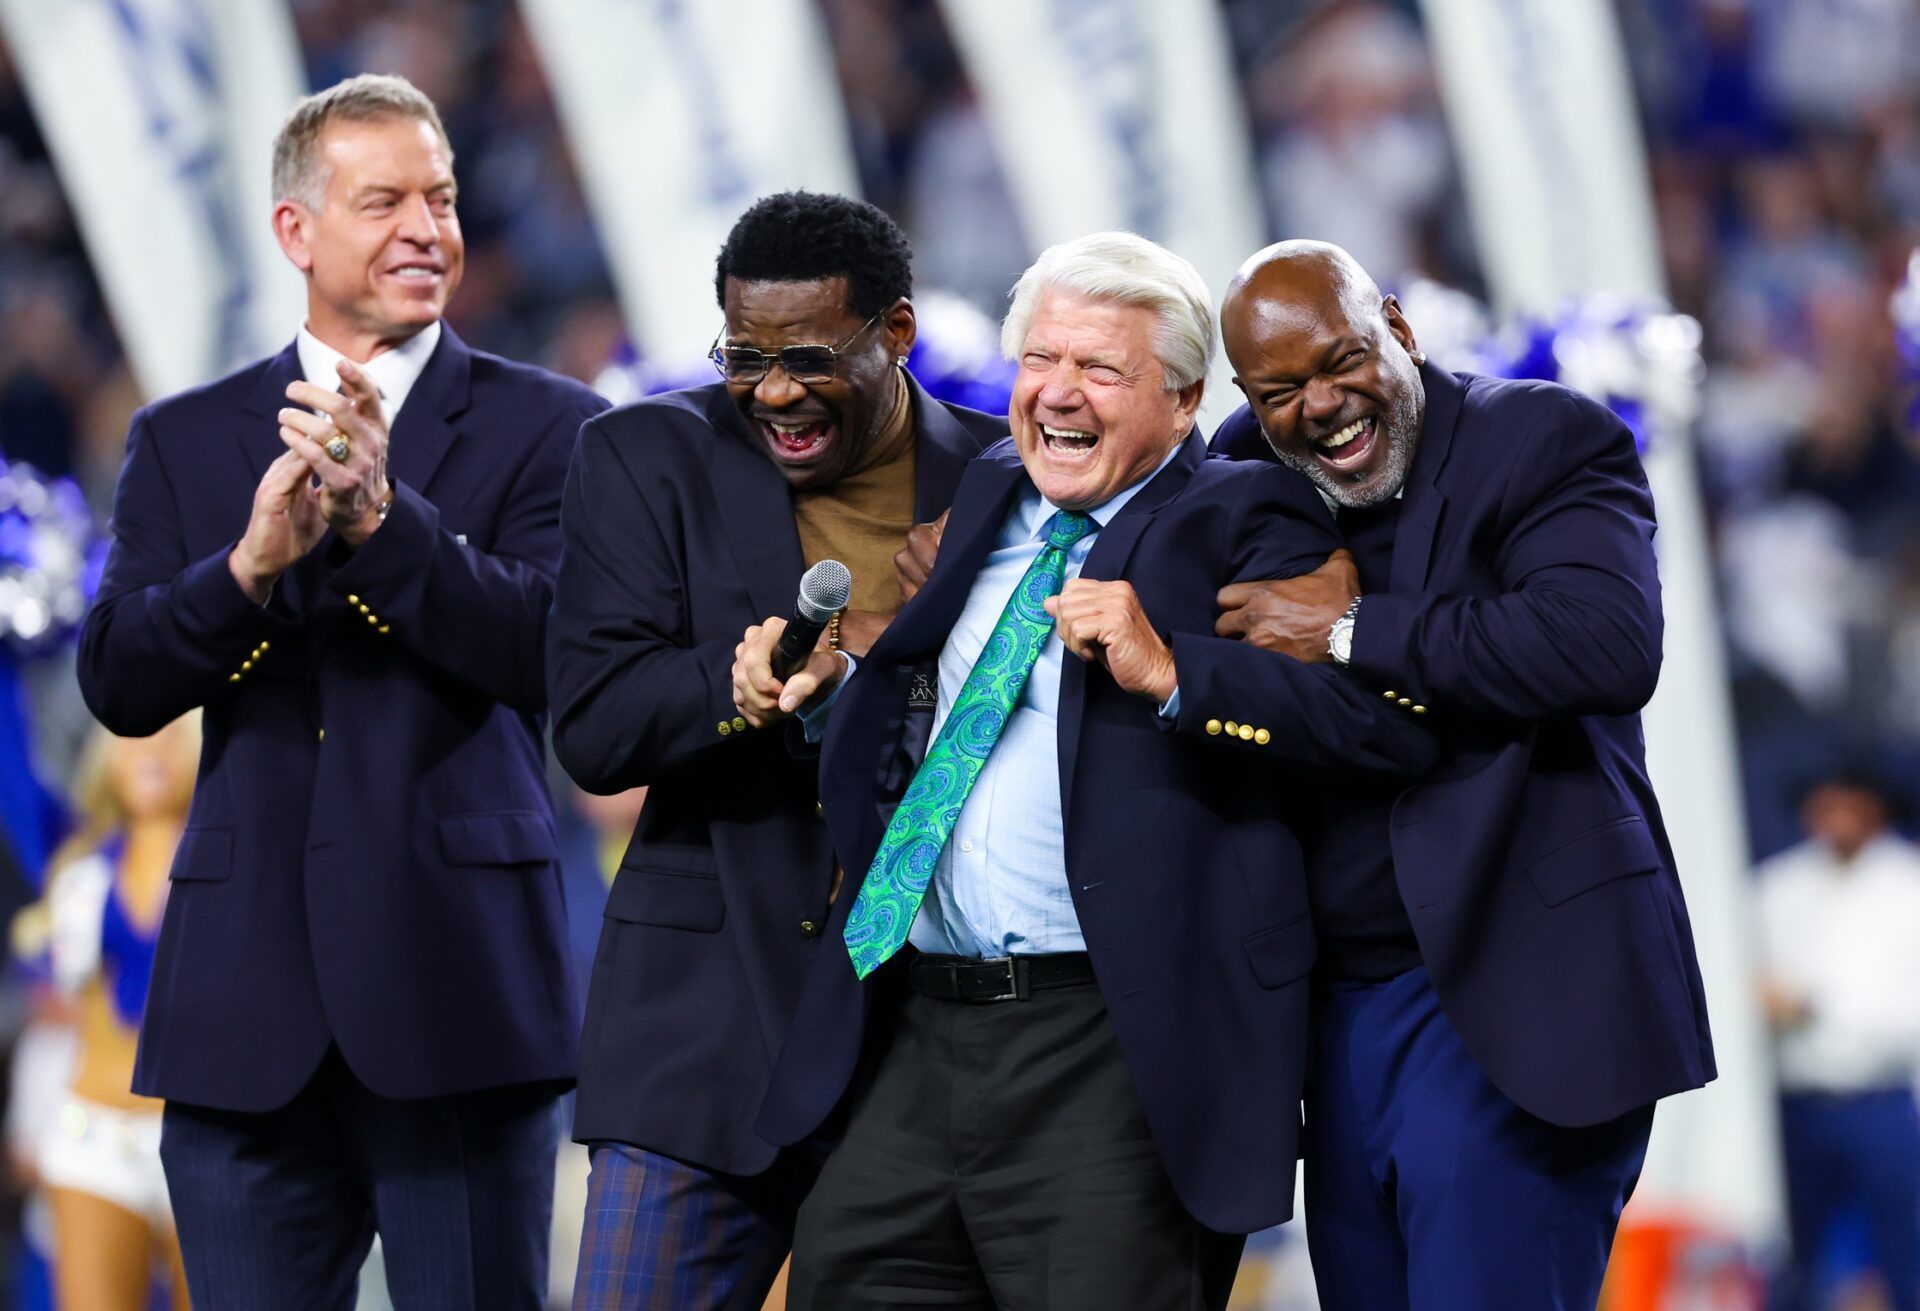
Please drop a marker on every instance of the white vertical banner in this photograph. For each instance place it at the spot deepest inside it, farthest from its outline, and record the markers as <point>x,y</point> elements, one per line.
<point>160,116</point>
<point>1541,112</point>
<point>681,115</point>
<point>1120,114</point>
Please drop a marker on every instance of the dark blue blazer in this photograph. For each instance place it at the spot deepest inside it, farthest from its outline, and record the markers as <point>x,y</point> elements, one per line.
<point>1181,860</point>
<point>1524,611</point>
<point>679,535</point>
<point>369,860</point>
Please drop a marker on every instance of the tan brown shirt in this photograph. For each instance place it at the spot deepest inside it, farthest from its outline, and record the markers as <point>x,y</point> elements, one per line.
<point>862,520</point>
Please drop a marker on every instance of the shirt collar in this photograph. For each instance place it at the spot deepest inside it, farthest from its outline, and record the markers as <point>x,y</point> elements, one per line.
<point>394,372</point>
<point>1038,511</point>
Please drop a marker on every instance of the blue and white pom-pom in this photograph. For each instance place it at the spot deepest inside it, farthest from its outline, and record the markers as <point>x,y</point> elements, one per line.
<point>50,559</point>
<point>1637,357</point>
<point>956,354</point>
<point>628,377</point>
<point>1904,308</point>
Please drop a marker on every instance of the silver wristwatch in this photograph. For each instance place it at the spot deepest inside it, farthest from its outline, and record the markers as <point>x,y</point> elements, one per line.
<point>1340,637</point>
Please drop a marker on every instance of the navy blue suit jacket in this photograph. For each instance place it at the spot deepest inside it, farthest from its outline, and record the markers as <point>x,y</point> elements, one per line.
<point>370,858</point>
<point>1524,611</point>
<point>1181,860</point>
<point>679,535</point>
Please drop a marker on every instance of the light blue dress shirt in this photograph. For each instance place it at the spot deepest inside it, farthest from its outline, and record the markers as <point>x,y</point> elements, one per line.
<point>1000,888</point>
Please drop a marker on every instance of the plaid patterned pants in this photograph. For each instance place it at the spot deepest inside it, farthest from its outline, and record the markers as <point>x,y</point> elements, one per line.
<point>662,1235</point>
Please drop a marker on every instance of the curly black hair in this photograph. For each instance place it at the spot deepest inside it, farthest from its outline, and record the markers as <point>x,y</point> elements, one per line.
<point>799,236</point>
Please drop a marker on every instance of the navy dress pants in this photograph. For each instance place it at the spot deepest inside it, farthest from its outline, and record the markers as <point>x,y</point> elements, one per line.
<point>1855,1152</point>
<point>279,1209</point>
<point>1427,1189</point>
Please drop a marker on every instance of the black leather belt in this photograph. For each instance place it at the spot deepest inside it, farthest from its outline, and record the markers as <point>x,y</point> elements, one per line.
<point>1001,978</point>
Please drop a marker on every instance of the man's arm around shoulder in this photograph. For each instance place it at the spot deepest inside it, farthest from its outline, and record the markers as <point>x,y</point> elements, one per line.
<point>1283,710</point>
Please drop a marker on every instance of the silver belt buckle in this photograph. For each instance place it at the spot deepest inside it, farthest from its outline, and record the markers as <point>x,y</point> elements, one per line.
<point>1016,990</point>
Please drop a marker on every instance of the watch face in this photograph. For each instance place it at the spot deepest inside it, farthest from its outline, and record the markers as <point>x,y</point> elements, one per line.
<point>1340,640</point>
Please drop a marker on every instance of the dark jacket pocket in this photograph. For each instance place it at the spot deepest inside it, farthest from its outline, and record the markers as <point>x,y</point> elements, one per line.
<point>674,857</point>
<point>1279,956</point>
<point>1618,849</point>
<point>205,855</point>
<point>666,898</point>
<point>507,837</point>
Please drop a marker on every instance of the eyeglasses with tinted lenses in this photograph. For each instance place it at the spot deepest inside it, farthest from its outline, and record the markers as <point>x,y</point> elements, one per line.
<point>745,366</point>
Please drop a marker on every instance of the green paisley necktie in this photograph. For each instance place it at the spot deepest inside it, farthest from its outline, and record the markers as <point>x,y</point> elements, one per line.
<point>883,913</point>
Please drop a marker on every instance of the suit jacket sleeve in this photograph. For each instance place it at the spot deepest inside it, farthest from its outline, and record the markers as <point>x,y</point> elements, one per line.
<point>165,634</point>
<point>1238,438</point>
<point>1576,629</point>
<point>478,615</point>
<point>1317,714</point>
<point>633,697</point>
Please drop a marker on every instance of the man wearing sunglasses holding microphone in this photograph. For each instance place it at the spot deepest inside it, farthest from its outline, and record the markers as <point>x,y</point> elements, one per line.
<point>687,518</point>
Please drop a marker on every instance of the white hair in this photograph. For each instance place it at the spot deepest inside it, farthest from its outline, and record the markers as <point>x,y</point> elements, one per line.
<point>1129,270</point>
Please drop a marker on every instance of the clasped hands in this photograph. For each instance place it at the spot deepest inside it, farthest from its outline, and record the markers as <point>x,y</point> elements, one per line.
<point>306,490</point>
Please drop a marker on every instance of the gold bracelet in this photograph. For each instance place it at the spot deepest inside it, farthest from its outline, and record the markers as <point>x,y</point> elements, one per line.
<point>833,631</point>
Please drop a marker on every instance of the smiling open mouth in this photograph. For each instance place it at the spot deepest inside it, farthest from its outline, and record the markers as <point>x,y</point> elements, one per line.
<point>1069,442</point>
<point>796,441</point>
<point>1349,448</point>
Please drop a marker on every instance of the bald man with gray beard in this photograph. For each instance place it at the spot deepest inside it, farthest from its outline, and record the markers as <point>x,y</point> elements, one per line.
<point>1506,979</point>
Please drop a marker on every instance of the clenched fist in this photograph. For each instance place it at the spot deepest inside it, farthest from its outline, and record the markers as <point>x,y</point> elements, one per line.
<point>763,699</point>
<point>914,561</point>
<point>1103,621</point>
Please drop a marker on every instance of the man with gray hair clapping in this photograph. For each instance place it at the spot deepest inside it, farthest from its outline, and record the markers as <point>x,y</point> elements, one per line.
<point>1069,838</point>
<point>361,1014</point>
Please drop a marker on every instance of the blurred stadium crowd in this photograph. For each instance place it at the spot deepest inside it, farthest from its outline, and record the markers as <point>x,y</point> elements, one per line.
<point>1789,200</point>
<point>1788,193</point>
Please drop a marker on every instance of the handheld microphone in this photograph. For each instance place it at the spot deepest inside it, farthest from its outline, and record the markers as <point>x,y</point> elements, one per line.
<point>825,590</point>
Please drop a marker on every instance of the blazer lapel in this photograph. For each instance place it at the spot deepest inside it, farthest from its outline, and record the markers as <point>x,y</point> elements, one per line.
<point>1113,547</point>
<point>418,441</point>
<point>1413,537</point>
<point>1423,502</point>
<point>260,442</point>
<point>298,590</point>
<point>754,509</point>
<point>979,511</point>
<point>942,449</point>
<point>423,432</point>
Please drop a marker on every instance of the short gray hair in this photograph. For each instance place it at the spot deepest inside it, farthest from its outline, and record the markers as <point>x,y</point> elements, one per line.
<point>298,172</point>
<point>1129,270</point>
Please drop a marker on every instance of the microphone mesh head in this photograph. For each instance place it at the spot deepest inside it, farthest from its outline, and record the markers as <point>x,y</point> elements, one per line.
<point>825,588</point>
